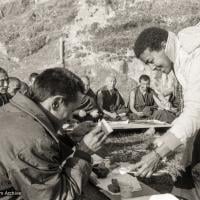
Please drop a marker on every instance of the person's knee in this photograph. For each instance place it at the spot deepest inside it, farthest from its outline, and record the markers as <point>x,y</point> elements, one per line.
<point>158,114</point>
<point>147,111</point>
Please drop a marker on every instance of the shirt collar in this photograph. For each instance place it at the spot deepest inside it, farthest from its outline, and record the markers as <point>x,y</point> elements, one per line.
<point>171,46</point>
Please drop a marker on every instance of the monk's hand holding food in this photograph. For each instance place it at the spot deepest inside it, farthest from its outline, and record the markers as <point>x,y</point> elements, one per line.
<point>82,113</point>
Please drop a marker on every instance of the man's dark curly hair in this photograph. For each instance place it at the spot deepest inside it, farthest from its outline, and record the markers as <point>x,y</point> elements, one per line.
<point>57,81</point>
<point>150,38</point>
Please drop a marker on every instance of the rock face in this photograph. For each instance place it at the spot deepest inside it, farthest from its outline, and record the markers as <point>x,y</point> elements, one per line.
<point>40,1</point>
<point>98,35</point>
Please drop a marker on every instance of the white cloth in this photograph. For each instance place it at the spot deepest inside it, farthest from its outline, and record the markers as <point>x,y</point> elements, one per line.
<point>184,52</point>
<point>163,197</point>
<point>156,197</point>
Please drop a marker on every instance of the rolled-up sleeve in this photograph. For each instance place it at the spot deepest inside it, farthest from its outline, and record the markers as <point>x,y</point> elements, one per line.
<point>188,123</point>
<point>38,173</point>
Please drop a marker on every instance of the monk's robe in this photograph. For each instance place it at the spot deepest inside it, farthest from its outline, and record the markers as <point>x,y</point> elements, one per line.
<point>91,94</point>
<point>110,100</point>
<point>88,104</point>
<point>142,102</point>
<point>4,99</point>
<point>146,104</point>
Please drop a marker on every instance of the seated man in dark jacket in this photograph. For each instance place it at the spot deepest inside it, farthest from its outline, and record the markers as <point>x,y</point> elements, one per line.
<point>87,110</point>
<point>4,81</point>
<point>110,100</point>
<point>34,161</point>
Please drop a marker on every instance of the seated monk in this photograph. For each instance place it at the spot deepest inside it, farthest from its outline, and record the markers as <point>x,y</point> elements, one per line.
<point>145,104</point>
<point>32,78</point>
<point>14,86</point>
<point>87,110</point>
<point>4,81</point>
<point>110,101</point>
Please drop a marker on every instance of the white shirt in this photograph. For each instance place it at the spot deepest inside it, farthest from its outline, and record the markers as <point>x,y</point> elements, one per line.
<point>184,52</point>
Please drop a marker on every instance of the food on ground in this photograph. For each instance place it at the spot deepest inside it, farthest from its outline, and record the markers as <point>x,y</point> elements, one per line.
<point>114,186</point>
<point>100,170</point>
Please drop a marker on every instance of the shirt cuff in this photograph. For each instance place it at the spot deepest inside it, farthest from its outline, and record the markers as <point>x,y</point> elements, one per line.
<point>83,155</point>
<point>162,151</point>
<point>83,147</point>
<point>170,141</point>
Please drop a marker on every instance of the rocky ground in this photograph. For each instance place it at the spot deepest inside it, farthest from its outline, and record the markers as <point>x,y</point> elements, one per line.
<point>98,37</point>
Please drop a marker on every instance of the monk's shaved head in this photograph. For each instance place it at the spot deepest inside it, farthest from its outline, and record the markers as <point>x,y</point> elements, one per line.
<point>111,82</point>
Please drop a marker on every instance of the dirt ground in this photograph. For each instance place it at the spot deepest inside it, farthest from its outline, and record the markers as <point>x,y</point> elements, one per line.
<point>130,146</point>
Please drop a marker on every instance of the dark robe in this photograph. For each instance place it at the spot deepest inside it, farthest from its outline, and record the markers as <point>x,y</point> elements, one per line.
<point>146,100</point>
<point>91,94</point>
<point>143,103</point>
<point>110,101</point>
<point>146,104</point>
<point>88,104</point>
<point>4,99</point>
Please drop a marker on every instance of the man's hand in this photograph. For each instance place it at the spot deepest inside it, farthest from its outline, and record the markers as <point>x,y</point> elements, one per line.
<point>173,110</point>
<point>82,113</point>
<point>93,141</point>
<point>94,113</point>
<point>113,115</point>
<point>147,165</point>
<point>140,114</point>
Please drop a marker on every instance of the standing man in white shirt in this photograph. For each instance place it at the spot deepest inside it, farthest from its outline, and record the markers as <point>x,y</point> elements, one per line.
<point>180,53</point>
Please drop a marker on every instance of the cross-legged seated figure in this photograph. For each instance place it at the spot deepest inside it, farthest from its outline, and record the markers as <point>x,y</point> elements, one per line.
<point>4,81</point>
<point>145,104</point>
<point>32,78</point>
<point>110,101</point>
<point>87,110</point>
<point>14,86</point>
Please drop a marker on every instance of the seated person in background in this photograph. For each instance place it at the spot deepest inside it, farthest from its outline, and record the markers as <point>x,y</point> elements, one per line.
<point>110,101</point>
<point>87,110</point>
<point>25,90</point>
<point>145,104</point>
<point>176,98</point>
<point>172,97</point>
<point>4,81</point>
<point>14,86</point>
<point>32,78</point>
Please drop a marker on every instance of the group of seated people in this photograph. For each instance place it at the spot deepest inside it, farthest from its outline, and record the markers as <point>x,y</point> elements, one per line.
<point>108,103</point>
<point>10,85</point>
